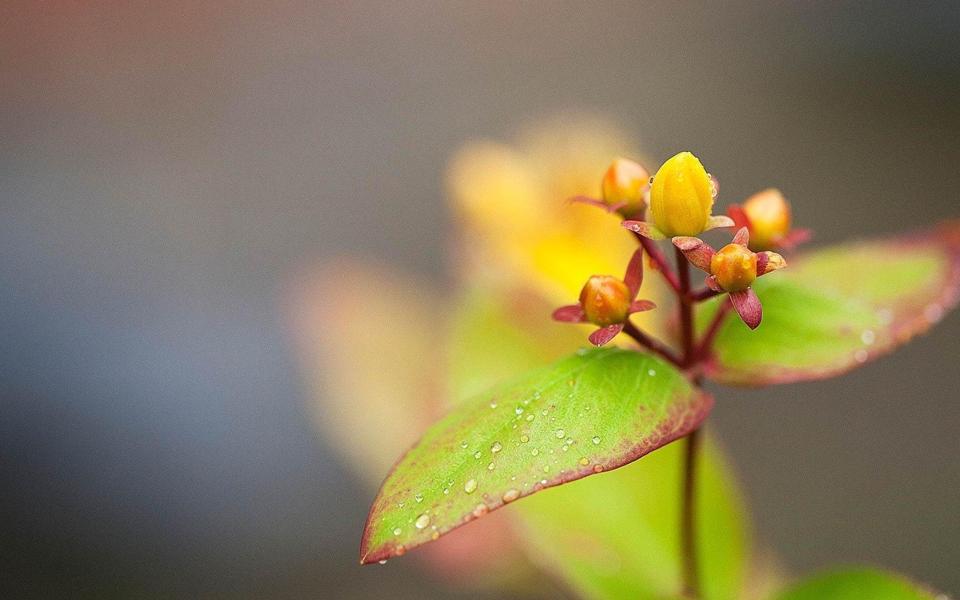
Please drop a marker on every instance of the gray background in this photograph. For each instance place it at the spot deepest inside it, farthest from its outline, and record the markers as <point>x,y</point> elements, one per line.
<point>165,167</point>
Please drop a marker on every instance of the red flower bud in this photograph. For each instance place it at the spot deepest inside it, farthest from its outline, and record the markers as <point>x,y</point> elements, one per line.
<point>734,267</point>
<point>605,300</point>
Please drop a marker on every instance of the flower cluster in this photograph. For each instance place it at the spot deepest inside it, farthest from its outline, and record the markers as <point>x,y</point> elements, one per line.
<point>677,203</point>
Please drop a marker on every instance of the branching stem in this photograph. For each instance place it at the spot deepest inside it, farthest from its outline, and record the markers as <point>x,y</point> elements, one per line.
<point>651,343</point>
<point>650,247</point>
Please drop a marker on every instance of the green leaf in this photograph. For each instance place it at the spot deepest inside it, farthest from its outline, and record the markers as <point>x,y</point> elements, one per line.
<point>856,584</point>
<point>594,411</point>
<point>617,535</point>
<point>835,309</point>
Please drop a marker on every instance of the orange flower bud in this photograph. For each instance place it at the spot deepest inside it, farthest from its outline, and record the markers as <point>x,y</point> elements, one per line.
<point>769,215</point>
<point>625,183</point>
<point>681,197</point>
<point>734,267</point>
<point>605,300</point>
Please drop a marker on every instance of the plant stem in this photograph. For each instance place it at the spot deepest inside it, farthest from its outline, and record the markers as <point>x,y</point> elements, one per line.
<point>651,343</point>
<point>703,349</point>
<point>688,524</point>
<point>688,537</point>
<point>704,294</point>
<point>657,257</point>
<point>686,308</point>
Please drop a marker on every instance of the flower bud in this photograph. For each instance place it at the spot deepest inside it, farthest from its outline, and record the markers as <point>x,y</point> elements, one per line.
<point>605,300</point>
<point>681,197</point>
<point>625,183</point>
<point>769,215</point>
<point>734,267</point>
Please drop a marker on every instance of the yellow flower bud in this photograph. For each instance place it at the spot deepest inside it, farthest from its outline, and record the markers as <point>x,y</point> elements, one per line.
<point>681,197</point>
<point>625,183</point>
<point>605,300</point>
<point>769,215</point>
<point>734,267</point>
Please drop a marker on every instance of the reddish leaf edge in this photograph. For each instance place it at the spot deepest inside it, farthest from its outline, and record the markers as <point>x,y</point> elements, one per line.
<point>945,235</point>
<point>671,430</point>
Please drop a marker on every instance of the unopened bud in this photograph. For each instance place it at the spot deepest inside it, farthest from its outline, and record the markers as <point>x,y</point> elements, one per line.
<point>734,267</point>
<point>625,184</point>
<point>769,215</point>
<point>681,197</point>
<point>605,300</point>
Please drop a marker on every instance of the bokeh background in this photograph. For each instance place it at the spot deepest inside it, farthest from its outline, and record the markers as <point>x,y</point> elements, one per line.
<point>167,168</point>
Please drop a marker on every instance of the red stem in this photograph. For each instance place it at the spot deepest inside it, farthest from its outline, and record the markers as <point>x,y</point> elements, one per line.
<point>660,260</point>
<point>704,294</point>
<point>650,343</point>
<point>703,349</point>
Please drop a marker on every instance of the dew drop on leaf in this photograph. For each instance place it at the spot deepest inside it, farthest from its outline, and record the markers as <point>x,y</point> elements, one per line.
<point>560,433</point>
<point>397,531</point>
<point>596,439</point>
<point>470,486</point>
<point>422,521</point>
<point>524,438</point>
<point>496,447</point>
<point>511,495</point>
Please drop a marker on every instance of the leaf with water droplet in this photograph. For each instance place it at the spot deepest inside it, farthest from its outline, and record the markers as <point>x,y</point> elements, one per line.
<point>835,309</point>
<point>606,379</point>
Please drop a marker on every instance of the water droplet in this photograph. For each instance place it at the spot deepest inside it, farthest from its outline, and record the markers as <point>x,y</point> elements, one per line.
<point>493,404</point>
<point>535,451</point>
<point>511,495</point>
<point>477,454</point>
<point>861,356</point>
<point>400,550</point>
<point>470,486</point>
<point>400,504</point>
<point>560,433</point>
<point>382,562</point>
<point>543,482</point>
<point>418,498</point>
<point>524,438</point>
<point>446,491</point>
<point>463,444</point>
<point>397,531</point>
<point>530,417</point>
<point>480,510</point>
<point>546,468</point>
<point>596,439</point>
<point>496,447</point>
<point>651,372</point>
<point>518,410</point>
<point>597,468</point>
<point>422,521</point>
<point>435,535</point>
<point>545,412</point>
<point>867,337</point>
<point>584,461</point>
<point>491,467</point>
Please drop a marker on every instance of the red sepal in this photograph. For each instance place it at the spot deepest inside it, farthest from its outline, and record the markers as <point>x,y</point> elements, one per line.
<point>605,334</point>
<point>572,313</point>
<point>747,305</point>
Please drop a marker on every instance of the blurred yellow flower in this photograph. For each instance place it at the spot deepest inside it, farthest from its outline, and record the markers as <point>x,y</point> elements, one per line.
<point>518,227</point>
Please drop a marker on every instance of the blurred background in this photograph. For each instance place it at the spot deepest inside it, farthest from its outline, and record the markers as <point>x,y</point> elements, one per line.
<point>169,169</point>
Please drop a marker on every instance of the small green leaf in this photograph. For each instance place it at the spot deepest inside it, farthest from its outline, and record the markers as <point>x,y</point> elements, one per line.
<point>617,535</point>
<point>594,411</point>
<point>834,309</point>
<point>856,584</point>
